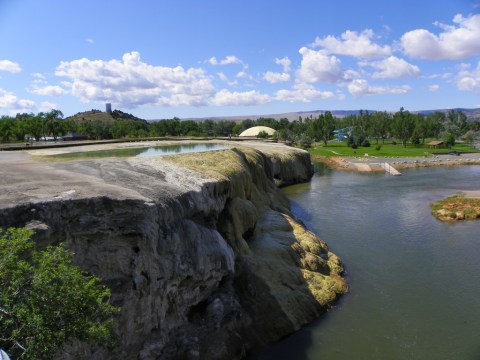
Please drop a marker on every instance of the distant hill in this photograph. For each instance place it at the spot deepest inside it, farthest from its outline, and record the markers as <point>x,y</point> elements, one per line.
<point>115,115</point>
<point>472,114</point>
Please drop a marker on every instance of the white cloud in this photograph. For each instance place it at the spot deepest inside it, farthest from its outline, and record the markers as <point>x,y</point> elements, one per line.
<point>244,75</point>
<point>392,68</point>
<point>284,62</point>
<point>225,79</point>
<point>459,41</point>
<point>46,106</point>
<point>49,90</point>
<point>9,66</point>
<point>228,60</point>
<point>303,93</point>
<point>273,77</point>
<point>469,80</point>
<point>90,41</point>
<point>130,82</point>
<point>317,66</point>
<point>353,44</point>
<point>13,105</point>
<point>39,76</point>
<point>360,87</point>
<point>434,88</point>
<point>253,97</point>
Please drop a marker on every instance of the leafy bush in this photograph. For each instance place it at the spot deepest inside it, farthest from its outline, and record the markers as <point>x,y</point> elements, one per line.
<point>378,147</point>
<point>46,301</point>
<point>262,135</point>
<point>366,143</point>
<point>304,141</point>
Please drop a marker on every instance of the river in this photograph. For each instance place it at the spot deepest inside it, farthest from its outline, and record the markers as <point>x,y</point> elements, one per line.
<point>414,281</point>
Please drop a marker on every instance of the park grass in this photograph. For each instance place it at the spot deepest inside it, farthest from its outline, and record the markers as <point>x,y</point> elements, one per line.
<point>457,207</point>
<point>386,150</point>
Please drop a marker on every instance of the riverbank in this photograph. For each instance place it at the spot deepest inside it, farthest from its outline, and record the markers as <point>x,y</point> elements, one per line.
<point>371,163</point>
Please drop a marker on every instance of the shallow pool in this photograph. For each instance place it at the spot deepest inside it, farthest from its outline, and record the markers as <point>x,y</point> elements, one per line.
<point>142,151</point>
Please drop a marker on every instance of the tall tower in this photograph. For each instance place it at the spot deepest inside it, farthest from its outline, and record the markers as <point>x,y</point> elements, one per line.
<point>108,108</point>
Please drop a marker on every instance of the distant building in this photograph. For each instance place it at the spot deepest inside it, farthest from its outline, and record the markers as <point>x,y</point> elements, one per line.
<point>254,131</point>
<point>108,108</point>
<point>343,134</point>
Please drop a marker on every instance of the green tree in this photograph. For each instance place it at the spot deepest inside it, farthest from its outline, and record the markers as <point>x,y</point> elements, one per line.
<point>436,121</point>
<point>459,121</point>
<point>322,127</point>
<point>46,301</point>
<point>449,140</point>
<point>53,123</point>
<point>403,126</point>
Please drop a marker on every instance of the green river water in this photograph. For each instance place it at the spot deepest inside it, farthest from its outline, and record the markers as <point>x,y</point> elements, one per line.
<point>414,281</point>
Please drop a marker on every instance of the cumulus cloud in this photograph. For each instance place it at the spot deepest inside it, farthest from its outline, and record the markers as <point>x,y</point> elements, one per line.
<point>253,97</point>
<point>244,75</point>
<point>317,66</point>
<point>273,77</point>
<point>469,80</point>
<point>130,82</point>
<point>360,87</point>
<point>225,79</point>
<point>49,90</point>
<point>458,41</point>
<point>284,62</point>
<point>10,103</point>
<point>392,68</point>
<point>303,93</point>
<point>276,77</point>
<point>434,88</point>
<point>353,44</point>
<point>9,66</point>
<point>228,60</point>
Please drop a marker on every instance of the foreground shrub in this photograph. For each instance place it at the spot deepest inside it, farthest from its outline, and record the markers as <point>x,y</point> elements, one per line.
<point>45,300</point>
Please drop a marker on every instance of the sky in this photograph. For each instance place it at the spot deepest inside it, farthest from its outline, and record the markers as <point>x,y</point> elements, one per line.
<point>158,59</point>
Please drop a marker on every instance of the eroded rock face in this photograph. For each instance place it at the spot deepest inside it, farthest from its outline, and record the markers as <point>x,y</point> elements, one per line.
<point>200,251</point>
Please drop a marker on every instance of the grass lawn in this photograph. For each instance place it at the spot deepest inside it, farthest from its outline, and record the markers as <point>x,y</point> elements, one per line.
<point>387,150</point>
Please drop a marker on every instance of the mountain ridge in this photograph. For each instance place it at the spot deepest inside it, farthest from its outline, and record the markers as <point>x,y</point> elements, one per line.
<point>473,114</point>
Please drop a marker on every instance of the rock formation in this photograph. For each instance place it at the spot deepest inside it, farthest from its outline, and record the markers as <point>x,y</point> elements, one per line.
<point>200,250</point>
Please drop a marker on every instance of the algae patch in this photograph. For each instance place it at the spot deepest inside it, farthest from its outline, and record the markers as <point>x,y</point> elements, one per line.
<point>457,207</point>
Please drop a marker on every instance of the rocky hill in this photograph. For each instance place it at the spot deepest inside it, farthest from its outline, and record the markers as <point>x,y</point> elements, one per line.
<point>94,114</point>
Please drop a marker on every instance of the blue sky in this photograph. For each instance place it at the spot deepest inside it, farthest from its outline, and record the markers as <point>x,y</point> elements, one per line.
<point>190,58</point>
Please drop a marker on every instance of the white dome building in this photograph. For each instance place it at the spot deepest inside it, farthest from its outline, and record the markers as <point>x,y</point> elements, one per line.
<point>254,131</point>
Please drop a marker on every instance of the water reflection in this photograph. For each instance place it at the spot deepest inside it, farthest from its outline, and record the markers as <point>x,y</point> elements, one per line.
<point>142,151</point>
<point>414,281</point>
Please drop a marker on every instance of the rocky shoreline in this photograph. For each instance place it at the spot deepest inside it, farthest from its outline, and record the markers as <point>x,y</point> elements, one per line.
<point>372,164</point>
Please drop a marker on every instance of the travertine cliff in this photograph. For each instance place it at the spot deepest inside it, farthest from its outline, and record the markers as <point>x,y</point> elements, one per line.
<point>200,251</point>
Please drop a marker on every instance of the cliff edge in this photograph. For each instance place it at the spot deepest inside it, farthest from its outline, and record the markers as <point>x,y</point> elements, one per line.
<point>200,250</point>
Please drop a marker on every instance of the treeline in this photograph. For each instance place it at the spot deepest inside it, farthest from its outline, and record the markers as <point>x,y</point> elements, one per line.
<point>360,129</point>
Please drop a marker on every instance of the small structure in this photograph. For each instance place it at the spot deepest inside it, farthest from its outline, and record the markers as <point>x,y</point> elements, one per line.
<point>254,131</point>
<point>435,144</point>
<point>342,134</point>
<point>72,137</point>
<point>108,108</point>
